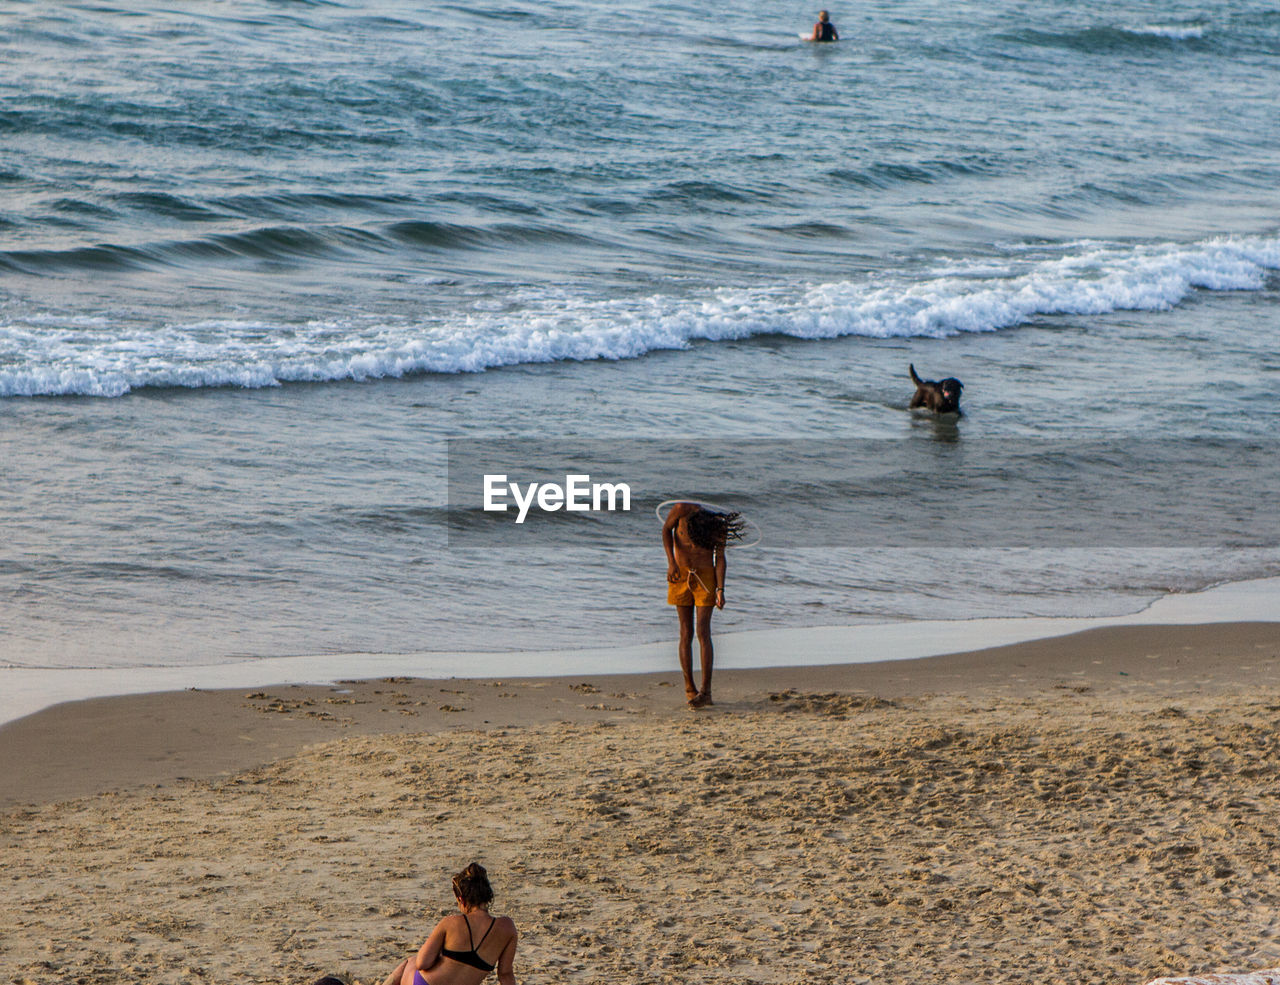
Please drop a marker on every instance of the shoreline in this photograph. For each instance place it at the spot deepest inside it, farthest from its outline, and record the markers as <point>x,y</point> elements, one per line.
<point>28,691</point>
<point>114,743</point>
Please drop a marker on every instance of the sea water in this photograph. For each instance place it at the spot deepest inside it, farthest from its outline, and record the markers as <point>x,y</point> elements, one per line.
<point>265,266</point>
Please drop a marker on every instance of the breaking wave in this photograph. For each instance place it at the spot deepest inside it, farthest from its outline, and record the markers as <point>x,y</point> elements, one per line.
<point>95,357</point>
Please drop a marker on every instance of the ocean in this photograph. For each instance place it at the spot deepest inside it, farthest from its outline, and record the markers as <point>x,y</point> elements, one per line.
<point>267,268</point>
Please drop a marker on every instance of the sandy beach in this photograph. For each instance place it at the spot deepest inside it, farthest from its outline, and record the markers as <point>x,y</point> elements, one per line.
<point>354,357</point>
<point>1092,808</point>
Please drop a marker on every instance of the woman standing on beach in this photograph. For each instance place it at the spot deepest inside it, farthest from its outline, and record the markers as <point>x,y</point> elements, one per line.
<point>695,538</point>
<point>466,946</point>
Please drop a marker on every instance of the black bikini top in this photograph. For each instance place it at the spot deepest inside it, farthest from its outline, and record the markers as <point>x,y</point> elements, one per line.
<point>471,957</point>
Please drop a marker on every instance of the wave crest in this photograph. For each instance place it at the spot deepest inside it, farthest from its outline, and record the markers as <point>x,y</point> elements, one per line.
<point>48,356</point>
<point>1114,39</point>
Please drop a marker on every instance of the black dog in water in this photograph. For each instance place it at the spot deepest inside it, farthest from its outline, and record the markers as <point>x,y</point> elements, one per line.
<point>939,396</point>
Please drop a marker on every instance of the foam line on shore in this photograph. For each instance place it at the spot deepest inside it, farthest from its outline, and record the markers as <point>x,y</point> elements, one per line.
<point>25,691</point>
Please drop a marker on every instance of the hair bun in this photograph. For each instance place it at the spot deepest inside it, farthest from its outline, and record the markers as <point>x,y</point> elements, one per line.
<point>471,886</point>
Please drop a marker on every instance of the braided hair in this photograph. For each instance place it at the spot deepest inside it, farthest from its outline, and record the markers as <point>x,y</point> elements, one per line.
<point>710,529</point>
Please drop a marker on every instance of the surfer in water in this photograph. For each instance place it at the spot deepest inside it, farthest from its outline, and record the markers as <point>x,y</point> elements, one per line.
<point>824,30</point>
<point>694,538</point>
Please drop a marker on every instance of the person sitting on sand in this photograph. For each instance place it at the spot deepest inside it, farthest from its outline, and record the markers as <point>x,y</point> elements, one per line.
<point>466,946</point>
<point>694,538</point>
<point>824,30</point>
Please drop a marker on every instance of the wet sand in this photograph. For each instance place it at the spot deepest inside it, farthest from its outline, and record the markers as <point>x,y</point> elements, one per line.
<point>1093,808</point>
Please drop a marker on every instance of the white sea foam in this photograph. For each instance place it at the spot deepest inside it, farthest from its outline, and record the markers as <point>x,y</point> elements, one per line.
<point>1174,32</point>
<point>41,357</point>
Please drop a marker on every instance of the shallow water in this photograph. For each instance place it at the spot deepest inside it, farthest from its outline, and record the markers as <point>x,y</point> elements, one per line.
<point>434,224</point>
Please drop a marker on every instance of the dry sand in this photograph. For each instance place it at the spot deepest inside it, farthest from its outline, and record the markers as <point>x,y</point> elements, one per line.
<point>1097,808</point>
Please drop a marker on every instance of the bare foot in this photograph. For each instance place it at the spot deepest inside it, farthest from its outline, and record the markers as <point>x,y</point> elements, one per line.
<point>691,696</point>
<point>703,700</point>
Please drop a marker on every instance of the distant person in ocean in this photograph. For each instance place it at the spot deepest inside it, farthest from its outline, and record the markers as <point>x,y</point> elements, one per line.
<point>695,538</point>
<point>465,947</point>
<point>824,30</point>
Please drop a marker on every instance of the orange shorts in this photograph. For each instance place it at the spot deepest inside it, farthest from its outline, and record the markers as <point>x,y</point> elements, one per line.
<point>693,587</point>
